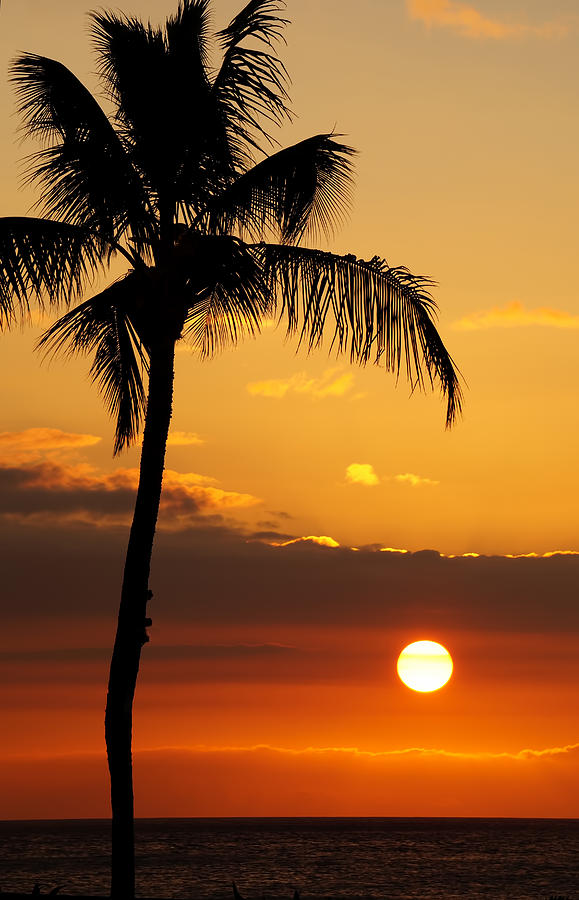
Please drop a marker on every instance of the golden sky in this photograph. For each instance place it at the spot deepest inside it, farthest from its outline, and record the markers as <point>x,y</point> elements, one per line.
<point>274,661</point>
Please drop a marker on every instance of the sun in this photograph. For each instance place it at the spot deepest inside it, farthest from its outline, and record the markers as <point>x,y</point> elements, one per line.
<point>424,666</point>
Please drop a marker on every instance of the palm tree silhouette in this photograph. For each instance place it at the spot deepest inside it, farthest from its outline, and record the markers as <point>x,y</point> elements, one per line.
<point>183,181</point>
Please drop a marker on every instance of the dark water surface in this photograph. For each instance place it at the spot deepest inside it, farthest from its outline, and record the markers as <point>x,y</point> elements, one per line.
<point>394,859</point>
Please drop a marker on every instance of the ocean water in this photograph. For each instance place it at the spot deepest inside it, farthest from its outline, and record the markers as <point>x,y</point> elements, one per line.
<point>393,859</point>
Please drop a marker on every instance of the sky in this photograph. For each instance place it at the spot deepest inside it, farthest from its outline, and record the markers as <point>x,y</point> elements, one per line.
<point>316,517</point>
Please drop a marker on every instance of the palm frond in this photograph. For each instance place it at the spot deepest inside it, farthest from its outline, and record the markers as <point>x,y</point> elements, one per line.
<point>85,174</point>
<point>204,160</point>
<point>132,60</point>
<point>380,314</point>
<point>104,327</point>
<point>230,292</point>
<point>251,85</point>
<point>188,35</point>
<point>42,260</point>
<point>126,50</point>
<point>301,189</point>
<point>166,111</point>
<point>259,20</point>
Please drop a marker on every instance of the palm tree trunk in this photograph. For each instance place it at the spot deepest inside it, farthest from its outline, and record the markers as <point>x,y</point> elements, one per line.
<point>131,633</point>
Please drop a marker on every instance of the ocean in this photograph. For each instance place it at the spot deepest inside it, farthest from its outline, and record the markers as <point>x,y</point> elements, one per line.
<point>391,859</point>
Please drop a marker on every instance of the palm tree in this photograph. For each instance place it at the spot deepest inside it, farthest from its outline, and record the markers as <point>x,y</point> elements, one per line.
<point>182,180</point>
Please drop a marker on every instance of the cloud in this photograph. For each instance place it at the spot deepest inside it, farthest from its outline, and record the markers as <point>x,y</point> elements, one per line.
<point>184,439</point>
<point>514,315</point>
<point>467,21</point>
<point>525,754</point>
<point>331,384</point>
<point>35,441</point>
<point>322,540</point>
<point>283,662</point>
<point>301,583</point>
<point>182,652</point>
<point>57,491</point>
<point>361,473</point>
<point>415,480</point>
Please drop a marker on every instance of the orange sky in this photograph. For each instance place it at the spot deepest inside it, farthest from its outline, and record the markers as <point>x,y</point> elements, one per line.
<point>270,679</point>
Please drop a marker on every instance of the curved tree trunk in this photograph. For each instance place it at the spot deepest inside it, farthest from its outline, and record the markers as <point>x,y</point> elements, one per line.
<point>132,621</point>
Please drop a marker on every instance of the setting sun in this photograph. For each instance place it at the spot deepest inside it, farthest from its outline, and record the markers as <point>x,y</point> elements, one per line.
<point>424,666</point>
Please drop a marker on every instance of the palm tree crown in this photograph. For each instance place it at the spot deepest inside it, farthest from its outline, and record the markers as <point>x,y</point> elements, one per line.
<point>177,182</point>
